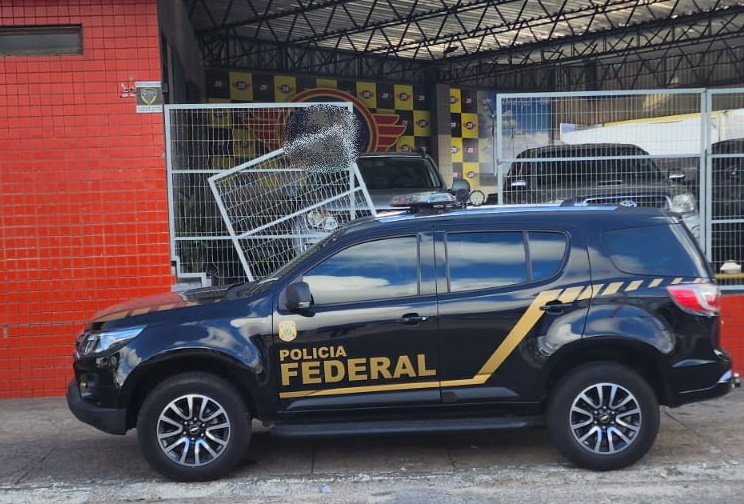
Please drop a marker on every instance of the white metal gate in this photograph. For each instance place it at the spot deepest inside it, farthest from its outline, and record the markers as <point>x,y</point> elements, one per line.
<point>243,198</point>
<point>682,150</point>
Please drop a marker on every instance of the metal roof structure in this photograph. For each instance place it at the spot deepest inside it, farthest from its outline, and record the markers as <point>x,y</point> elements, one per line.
<point>501,44</point>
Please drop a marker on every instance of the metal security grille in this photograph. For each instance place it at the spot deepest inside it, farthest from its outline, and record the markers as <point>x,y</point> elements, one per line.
<point>723,186</point>
<point>680,150</point>
<point>275,210</point>
<point>244,200</point>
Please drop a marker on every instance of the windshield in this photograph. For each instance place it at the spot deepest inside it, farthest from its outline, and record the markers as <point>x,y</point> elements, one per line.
<point>262,283</point>
<point>383,173</point>
<point>595,171</point>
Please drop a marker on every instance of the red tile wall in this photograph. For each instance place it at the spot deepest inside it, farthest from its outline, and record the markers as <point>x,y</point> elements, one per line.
<point>83,197</point>
<point>732,329</point>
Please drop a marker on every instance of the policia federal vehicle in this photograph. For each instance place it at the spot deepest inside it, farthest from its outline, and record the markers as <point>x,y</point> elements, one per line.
<point>435,319</point>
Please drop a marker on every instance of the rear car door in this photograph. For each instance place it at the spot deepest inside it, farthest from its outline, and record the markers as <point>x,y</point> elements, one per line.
<point>509,299</point>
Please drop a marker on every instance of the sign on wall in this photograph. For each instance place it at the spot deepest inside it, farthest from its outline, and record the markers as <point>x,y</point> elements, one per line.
<point>393,116</point>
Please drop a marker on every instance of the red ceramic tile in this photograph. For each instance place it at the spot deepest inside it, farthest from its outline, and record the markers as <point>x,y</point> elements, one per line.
<point>72,216</point>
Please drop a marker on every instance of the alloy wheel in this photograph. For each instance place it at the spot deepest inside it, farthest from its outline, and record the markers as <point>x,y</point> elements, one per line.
<point>605,418</point>
<point>193,430</point>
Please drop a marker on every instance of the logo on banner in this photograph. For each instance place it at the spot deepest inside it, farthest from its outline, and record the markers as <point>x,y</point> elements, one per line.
<point>378,132</point>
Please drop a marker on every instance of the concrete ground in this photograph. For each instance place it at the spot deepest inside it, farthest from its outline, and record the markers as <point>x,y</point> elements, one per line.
<point>47,456</point>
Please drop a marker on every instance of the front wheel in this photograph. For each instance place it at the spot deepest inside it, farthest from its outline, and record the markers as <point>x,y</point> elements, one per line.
<point>193,427</point>
<point>603,416</point>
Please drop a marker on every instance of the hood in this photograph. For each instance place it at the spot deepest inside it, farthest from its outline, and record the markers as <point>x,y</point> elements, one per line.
<point>380,199</point>
<point>160,302</point>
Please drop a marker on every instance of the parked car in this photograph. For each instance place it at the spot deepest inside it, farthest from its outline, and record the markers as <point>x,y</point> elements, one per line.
<point>385,175</point>
<point>727,198</point>
<point>434,320</point>
<point>597,174</point>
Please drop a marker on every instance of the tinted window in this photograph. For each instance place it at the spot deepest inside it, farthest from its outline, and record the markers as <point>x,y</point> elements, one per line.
<point>599,170</point>
<point>654,250</point>
<point>546,253</point>
<point>396,173</point>
<point>41,40</point>
<point>372,270</point>
<point>483,260</point>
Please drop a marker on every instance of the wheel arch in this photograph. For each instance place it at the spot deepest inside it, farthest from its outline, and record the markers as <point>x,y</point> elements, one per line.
<point>150,375</point>
<point>636,355</point>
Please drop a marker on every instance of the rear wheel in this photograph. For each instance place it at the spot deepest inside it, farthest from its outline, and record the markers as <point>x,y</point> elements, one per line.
<point>193,427</point>
<point>603,416</point>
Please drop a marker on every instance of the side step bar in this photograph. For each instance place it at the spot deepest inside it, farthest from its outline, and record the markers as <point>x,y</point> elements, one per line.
<point>309,430</point>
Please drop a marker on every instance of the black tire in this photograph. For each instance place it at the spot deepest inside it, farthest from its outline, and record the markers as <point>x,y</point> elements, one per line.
<point>603,416</point>
<point>193,427</point>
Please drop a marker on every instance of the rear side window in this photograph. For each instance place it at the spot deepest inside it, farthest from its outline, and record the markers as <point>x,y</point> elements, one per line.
<point>547,251</point>
<point>655,250</point>
<point>482,260</point>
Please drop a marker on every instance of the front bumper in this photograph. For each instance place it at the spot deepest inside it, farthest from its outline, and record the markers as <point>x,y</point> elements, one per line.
<point>111,420</point>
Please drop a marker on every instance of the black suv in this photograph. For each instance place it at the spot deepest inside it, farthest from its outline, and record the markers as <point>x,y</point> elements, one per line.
<point>389,174</point>
<point>430,320</point>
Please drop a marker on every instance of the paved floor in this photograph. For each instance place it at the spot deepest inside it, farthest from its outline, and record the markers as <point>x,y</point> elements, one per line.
<point>46,455</point>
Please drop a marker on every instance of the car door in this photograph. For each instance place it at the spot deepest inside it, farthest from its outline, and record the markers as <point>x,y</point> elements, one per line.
<point>370,337</point>
<point>508,300</point>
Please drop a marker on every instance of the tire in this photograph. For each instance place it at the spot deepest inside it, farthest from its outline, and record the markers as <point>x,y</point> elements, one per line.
<point>603,416</point>
<point>193,427</point>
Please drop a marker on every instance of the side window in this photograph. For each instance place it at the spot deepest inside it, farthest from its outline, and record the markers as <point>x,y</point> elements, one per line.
<point>481,260</point>
<point>654,250</point>
<point>373,270</point>
<point>547,251</point>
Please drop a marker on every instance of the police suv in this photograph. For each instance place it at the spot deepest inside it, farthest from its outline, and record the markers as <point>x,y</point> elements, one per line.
<point>437,318</point>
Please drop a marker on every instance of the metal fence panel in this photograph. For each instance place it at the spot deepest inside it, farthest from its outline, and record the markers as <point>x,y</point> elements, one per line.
<point>724,184</point>
<point>238,204</point>
<point>679,150</point>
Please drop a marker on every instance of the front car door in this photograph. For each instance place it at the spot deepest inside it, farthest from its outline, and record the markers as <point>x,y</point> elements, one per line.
<point>370,337</point>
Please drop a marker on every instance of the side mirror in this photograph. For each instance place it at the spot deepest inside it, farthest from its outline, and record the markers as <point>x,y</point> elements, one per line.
<point>676,176</point>
<point>298,296</point>
<point>461,190</point>
<point>518,185</point>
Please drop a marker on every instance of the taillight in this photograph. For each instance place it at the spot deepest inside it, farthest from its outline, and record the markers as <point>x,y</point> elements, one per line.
<point>701,299</point>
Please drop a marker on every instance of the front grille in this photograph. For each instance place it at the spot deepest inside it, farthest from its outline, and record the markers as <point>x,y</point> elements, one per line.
<point>641,200</point>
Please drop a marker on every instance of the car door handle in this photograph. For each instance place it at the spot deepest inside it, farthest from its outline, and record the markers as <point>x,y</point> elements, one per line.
<point>555,307</point>
<point>412,318</point>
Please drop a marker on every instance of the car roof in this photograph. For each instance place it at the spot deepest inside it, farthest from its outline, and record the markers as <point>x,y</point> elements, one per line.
<point>392,154</point>
<point>735,144</point>
<point>533,216</point>
<point>568,150</point>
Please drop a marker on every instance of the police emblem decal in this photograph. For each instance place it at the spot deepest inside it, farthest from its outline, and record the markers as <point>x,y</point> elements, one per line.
<point>287,330</point>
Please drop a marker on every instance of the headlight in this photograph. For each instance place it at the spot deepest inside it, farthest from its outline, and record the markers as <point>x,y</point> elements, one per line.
<point>321,219</point>
<point>684,203</point>
<point>329,223</point>
<point>314,218</point>
<point>99,342</point>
